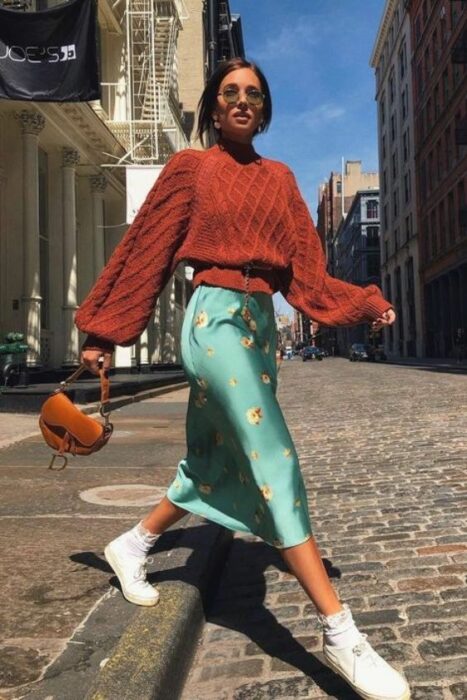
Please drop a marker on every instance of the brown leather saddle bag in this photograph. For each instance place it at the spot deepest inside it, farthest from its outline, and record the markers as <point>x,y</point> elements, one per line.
<point>66,429</point>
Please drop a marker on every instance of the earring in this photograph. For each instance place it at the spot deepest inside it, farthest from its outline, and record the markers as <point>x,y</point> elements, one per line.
<point>216,123</point>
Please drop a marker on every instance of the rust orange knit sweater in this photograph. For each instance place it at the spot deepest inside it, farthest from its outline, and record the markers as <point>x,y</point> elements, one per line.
<point>217,210</point>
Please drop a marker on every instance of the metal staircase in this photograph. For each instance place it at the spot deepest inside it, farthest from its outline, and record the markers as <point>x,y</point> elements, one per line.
<point>153,126</point>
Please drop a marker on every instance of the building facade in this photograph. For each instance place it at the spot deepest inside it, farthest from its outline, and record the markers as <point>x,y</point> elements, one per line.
<point>358,255</point>
<point>63,188</point>
<point>391,60</point>
<point>439,56</point>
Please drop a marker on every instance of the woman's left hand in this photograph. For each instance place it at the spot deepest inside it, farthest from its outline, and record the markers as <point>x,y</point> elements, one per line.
<point>385,319</point>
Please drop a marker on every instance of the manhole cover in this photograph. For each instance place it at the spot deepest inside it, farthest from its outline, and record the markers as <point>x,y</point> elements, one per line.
<point>124,495</point>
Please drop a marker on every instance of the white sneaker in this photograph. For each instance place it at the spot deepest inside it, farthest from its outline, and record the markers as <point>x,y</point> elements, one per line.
<point>131,572</point>
<point>366,671</point>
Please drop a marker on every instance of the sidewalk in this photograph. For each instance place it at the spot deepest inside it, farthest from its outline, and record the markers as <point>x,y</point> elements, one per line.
<point>62,623</point>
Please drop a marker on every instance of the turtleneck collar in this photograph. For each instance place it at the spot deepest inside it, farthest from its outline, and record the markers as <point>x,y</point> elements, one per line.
<point>242,152</point>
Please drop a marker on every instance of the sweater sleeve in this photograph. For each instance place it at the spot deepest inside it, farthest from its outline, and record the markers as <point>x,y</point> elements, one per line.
<point>309,288</point>
<point>117,309</point>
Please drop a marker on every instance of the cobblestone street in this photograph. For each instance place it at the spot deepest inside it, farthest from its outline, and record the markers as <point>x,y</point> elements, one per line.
<point>383,452</point>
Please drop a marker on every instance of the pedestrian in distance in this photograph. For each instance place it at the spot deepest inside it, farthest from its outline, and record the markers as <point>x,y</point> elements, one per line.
<point>240,221</point>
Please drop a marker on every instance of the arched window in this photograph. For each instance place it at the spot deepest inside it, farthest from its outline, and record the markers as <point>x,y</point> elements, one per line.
<point>372,209</point>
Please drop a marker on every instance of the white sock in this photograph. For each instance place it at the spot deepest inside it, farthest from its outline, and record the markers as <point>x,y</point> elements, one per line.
<point>340,629</point>
<point>138,541</point>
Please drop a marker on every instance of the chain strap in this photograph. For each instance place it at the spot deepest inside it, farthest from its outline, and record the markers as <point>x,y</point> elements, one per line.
<point>247,285</point>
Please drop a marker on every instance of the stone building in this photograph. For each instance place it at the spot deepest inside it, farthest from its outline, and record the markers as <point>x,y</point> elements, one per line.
<point>63,185</point>
<point>439,56</point>
<point>391,60</point>
<point>358,255</point>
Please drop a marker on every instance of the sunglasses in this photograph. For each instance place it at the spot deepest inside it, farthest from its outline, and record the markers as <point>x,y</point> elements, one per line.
<point>253,97</point>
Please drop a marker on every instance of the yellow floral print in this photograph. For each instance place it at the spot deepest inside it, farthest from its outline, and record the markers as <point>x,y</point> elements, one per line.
<point>297,503</point>
<point>248,343</point>
<point>205,488</point>
<point>267,492</point>
<point>201,319</point>
<point>233,381</point>
<point>254,415</point>
<point>265,377</point>
<point>177,483</point>
<point>231,310</point>
<point>248,318</point>
<point>201,399</point>
<point>210,352</point>
<point>287,452</point>
<point>203,383</point>
<point>254,454</point>
<point>219,438</point>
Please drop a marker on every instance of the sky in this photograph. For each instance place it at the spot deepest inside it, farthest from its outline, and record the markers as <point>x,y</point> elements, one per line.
<point>315,55</point>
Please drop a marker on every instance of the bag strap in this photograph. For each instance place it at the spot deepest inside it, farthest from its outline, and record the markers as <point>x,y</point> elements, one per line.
<point>104,409</point>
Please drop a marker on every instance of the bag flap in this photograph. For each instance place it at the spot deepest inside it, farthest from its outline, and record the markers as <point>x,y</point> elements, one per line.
<point>58,411</point>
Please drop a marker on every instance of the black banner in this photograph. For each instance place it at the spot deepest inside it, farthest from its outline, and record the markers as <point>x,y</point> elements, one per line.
<point>50,55</point>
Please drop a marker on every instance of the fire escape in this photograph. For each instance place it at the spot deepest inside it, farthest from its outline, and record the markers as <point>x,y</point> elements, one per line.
<point>143,107</point>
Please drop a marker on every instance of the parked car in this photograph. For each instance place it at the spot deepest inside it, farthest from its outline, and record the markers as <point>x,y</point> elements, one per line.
<point>358,352</point>
<point>312,353</point>
<point>376,352</point>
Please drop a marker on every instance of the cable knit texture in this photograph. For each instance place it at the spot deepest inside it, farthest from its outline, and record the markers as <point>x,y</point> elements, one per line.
<point>218,210</point>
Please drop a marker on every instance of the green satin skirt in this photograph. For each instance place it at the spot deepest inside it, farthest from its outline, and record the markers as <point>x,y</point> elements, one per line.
<point>241,469</point>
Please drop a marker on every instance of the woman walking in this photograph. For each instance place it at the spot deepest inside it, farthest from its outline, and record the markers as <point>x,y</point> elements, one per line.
<point>241,222</point>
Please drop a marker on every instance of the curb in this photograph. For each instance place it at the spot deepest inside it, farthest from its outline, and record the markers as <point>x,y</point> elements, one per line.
<point>153,657</point>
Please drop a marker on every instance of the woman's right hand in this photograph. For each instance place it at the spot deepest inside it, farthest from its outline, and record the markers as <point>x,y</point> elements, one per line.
<point>93,360</point>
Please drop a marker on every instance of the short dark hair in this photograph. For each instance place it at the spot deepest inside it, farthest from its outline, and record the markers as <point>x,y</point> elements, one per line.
<point>208,99</point>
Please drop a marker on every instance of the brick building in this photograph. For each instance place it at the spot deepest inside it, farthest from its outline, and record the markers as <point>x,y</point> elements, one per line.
<point>439,41</point>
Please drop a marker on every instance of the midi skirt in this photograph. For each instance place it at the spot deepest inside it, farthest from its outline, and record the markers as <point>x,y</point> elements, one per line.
<point>241,468</point>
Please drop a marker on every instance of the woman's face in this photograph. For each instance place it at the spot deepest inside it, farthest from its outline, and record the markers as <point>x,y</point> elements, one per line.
<point>240,120</point>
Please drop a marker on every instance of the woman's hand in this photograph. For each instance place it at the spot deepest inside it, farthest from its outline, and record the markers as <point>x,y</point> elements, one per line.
<point>93,359</point>
<point>386,319</point>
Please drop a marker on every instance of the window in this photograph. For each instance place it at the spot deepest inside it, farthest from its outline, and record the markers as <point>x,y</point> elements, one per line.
<point>434,45</point>
<point>339,187</point>
<point>441,227</point>
<point>372,237</point>
<point>423,180</point>
<point>386,250</point>
<point>427,69</point>
<point>407,187</point>
<point>428,114</point>
<point>434,237</point>
<point>385,181</point>
<point>382,108</point>
<point>372,209</point>
<point>446,86</point>
<point>462,208</point>
<point>391,87</point>
<point>454,14</point>
<point>436,101</point>
<point>405,103</point>
<point>394,165</point>
<point>396,239</point>
<point>451,218</point>
<point>419,72</point>
<point>406,145</point>
<point>385,217</point>
<point>417,29</point>
<point>393,127</point>
<point>443,30</point>
<point>396,203</point>
<point>448,148</point>
<point>439,161</point>
<point>402,61</point>
<point>408,227</point>
<point>383,147</point>
<point>430,172</point>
